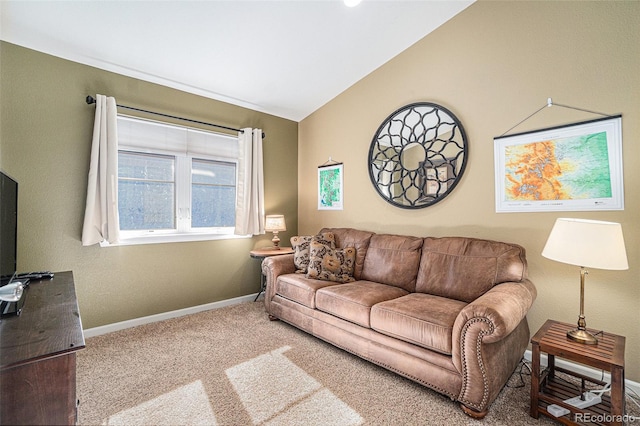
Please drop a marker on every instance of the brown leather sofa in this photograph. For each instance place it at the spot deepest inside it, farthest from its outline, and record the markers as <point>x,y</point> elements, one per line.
<point>449,313</point>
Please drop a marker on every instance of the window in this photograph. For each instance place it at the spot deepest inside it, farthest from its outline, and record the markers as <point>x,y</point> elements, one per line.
<point>146,191</point>
<point>174,183</point>
<point>213,194</point>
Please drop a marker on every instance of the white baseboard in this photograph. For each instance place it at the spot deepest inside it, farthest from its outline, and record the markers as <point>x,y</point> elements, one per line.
<point>583,369</point>
<point>109,328</point>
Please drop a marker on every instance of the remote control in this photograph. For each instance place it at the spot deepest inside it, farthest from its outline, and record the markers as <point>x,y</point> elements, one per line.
<point>36,275</point>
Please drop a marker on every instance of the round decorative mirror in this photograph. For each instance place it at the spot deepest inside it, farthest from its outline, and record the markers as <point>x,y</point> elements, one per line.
<point>418,155</point>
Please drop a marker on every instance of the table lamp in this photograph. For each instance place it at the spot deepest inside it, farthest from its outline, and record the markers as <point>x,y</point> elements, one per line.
<point>275,223</point>
<point>588,244</point>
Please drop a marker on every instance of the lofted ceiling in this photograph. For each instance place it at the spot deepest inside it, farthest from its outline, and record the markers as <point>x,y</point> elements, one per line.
<point>286,58</point>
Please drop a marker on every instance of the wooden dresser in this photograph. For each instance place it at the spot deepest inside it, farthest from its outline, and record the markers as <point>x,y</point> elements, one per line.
<point>38,355</point>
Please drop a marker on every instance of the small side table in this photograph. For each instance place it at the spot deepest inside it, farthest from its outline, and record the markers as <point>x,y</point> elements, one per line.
<point>267,252</point>
<point>547,389</point>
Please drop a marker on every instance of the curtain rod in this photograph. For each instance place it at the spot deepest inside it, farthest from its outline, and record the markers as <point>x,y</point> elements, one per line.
<point>91,100</point>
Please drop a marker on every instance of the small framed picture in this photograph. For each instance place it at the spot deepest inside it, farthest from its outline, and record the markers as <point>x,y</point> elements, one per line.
<point>330,187</point>
<point>437,179</point>
<point>577,167</point>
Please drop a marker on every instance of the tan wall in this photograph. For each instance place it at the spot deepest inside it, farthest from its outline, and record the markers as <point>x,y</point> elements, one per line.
<point>45,134</point>
<point>492,66</point>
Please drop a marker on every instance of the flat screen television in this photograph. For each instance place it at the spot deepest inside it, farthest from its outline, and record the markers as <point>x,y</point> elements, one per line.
<point>8,227</point>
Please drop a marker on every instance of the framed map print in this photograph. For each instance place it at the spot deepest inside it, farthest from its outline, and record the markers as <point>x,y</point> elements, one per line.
<point>330,187</point>
<point>577,167</point>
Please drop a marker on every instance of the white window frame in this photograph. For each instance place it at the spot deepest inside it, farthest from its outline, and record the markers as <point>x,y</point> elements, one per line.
<point>183,231</point>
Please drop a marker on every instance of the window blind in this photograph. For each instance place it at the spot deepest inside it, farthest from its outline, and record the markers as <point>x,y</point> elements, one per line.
<point>142,135</point>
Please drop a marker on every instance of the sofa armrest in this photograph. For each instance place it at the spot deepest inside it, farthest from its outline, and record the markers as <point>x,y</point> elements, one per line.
<point>272,268</point>
<point>490,336</point>
<point>502,308</point>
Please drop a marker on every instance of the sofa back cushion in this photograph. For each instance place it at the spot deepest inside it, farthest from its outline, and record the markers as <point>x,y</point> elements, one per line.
<point>393,260</point>
<point>349,237</point>
<point>466,268</point>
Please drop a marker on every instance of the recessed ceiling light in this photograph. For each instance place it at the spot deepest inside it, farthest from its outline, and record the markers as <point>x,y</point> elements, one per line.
<point>352,3</point>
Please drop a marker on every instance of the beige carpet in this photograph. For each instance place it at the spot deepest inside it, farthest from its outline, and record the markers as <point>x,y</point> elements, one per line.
<point>233,366</point>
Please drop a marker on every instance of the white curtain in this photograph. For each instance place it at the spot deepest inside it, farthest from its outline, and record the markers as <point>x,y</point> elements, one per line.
<point>101,222</point>
<point>250,188</point>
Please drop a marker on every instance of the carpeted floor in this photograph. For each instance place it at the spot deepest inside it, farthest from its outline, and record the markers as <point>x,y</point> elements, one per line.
<point>232,366</point>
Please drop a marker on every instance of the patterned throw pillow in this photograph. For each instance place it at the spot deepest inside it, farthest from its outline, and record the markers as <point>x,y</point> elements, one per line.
<point>300,246</point>
<point>330,264</point>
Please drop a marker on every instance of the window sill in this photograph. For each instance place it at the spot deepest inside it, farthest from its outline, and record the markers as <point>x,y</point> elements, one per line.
<point>171,238</point>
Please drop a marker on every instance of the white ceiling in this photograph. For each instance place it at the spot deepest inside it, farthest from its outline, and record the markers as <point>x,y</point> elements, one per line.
<point>286,58</point>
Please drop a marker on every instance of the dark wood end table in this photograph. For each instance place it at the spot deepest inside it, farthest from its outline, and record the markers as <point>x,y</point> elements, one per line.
<point>547,389</point>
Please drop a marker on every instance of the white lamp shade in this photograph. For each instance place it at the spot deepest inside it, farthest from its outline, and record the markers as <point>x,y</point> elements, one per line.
<point>587,243</point>
<point>274,222</point>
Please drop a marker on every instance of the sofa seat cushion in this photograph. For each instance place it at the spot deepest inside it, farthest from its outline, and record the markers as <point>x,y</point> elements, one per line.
<point>422,319</point>
<point>300,289</point>
<point>353,301</point>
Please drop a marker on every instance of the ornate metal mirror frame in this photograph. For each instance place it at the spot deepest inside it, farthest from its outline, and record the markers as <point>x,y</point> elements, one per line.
<point>418,155</point>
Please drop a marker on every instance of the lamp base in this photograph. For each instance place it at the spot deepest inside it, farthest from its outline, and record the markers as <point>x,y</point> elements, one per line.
<point>582,336</point>
<point>276,241</point>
